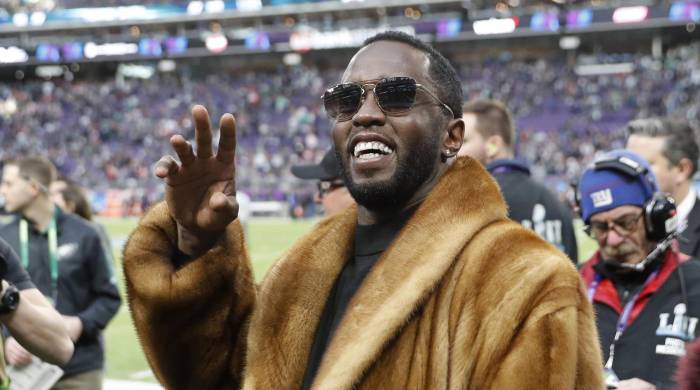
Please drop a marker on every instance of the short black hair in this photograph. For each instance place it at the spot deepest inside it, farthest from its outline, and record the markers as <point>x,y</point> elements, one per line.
<point>441,72</point>
<point>680,136</point>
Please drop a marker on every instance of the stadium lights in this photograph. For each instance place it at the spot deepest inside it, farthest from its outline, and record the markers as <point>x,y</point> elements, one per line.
<point>13,55</point>
<point>303,41</point>
<point>37,18</point>
<point>92,50</point>
<point>166,66</point>
<point>249,5</point>
<point>49,71</point>
<point>495,26</point>
<point>20,19</point>
<point>195,7</point>
<point>216,43</point>
<point>569,42</point>
<point>630,14</point>
<point>135,71</point>
<point>291,59</point>
<point>604,69</point>
<point>214,6</point>
<point>684,11</point>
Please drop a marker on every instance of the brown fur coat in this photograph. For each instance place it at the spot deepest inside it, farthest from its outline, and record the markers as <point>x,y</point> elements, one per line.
<point>462,299</point>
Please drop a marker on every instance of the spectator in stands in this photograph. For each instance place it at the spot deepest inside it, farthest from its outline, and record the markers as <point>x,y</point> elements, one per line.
<point>489,136</point>
<point>671,147</point>
<point>119,127</point>
<point>645,293</point>
<point>332,194</point>
<point>66,260</point>
<point>408,289</point>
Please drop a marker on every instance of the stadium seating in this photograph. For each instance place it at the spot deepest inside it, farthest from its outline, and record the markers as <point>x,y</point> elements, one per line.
<point>108,133</point>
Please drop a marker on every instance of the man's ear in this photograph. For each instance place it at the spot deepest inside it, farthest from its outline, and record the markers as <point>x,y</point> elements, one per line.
<point>453,137</point>
<point>493,144</point>
<point>685,167</point>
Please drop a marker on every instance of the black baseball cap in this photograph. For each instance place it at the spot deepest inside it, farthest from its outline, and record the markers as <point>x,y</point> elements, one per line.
<point>327,169</point>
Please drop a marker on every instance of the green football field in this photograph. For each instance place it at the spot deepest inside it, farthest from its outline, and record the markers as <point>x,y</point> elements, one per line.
<point>268,238</point>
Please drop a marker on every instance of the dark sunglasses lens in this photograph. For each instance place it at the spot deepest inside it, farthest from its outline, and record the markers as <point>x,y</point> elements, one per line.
<point>342,101</point>
<point>396,94</point>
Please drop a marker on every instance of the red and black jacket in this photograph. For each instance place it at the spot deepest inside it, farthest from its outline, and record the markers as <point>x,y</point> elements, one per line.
<point>663,318</point>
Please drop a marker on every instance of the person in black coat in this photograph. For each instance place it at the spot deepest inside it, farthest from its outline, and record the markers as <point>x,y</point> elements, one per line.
<point>671,147</point>
<point>489,136</point>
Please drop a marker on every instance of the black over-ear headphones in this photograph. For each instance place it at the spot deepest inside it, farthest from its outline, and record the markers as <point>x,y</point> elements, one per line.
<point>659,211</point>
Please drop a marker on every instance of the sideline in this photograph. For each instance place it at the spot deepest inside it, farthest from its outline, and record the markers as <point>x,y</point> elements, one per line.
<point>111,384</point>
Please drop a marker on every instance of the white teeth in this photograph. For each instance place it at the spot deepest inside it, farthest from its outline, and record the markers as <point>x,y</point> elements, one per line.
<point>374,146</point>
<point>369,156</point>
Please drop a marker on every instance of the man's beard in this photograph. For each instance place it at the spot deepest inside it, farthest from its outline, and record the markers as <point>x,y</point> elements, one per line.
<point>411,172</point>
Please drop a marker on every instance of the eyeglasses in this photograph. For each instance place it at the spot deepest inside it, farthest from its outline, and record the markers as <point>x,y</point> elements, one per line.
<point>394,95</point>
<point>324,186</point>
<point>623,225</point>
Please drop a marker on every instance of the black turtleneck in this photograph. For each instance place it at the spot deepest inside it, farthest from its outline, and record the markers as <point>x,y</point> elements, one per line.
<point>370,242</point>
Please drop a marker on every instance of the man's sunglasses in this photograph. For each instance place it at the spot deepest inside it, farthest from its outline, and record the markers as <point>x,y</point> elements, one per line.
<point>394,96</point>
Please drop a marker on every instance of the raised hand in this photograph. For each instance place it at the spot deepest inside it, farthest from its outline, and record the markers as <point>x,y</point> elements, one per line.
<point>200,190</point>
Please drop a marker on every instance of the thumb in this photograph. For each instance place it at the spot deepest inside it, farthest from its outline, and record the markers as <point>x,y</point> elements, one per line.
<point>226,205</point>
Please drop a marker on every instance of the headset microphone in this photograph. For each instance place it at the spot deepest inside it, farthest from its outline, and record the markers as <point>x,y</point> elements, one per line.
<point>653,255</point>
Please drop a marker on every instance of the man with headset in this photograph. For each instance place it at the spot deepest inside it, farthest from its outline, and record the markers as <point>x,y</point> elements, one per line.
<point>645,293</point>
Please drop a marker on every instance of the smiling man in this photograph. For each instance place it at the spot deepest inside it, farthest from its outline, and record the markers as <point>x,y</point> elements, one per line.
<point>424,284</point>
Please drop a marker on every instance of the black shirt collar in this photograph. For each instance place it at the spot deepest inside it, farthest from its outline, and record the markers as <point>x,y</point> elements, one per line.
<point>373,239</point>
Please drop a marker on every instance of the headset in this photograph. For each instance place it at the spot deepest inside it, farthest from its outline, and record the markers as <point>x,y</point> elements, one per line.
<point>659,210</point>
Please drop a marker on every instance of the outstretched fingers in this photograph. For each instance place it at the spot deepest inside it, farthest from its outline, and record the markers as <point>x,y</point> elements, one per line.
<point>202,131</point>
<point>166,167</point>
<point>227,139</point>
<point>183,149</point>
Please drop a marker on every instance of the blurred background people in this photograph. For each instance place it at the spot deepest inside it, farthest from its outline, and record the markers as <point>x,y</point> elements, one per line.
<point>645,293</point>
<point>671,148</point>
<point>71,198</point>
<point>489,137</point>
<point>332,194</point>
<point>66,260</point>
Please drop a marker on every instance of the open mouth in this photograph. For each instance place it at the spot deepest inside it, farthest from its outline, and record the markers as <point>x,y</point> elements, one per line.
<point>371,150</point>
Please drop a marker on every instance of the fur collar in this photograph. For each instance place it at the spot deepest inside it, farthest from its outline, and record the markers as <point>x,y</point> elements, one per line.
<point>464,201</point>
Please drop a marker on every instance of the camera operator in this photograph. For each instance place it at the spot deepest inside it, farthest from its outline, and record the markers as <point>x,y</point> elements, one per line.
<point>645,293</point>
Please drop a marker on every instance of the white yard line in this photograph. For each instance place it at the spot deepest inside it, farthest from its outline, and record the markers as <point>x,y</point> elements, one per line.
<point>141,375</point>
<point>110,384</point>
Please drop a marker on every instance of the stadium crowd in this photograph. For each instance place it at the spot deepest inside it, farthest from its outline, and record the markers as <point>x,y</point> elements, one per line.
<point>47,5</point>
<point>114,129</point>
